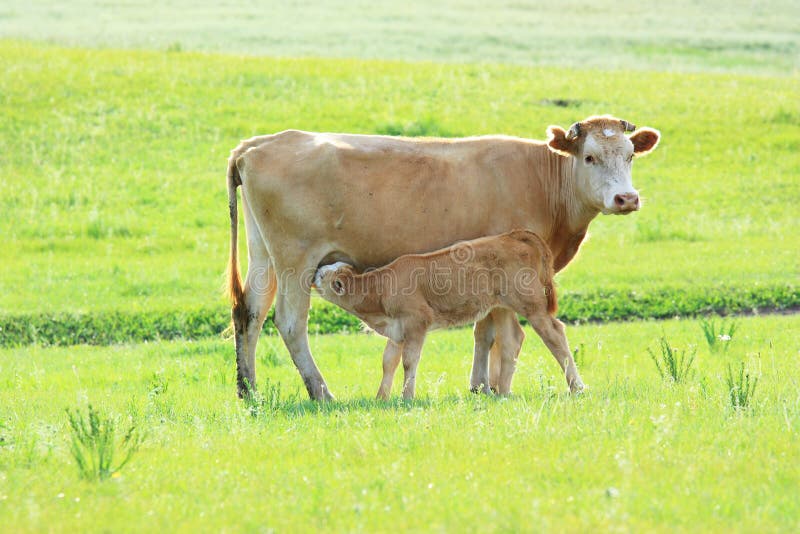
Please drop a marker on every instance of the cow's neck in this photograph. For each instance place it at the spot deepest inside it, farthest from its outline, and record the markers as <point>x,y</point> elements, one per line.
<point>568,215</point>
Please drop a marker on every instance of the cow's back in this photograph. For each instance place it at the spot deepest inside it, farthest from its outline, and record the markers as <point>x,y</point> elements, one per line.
<point>370,199</point>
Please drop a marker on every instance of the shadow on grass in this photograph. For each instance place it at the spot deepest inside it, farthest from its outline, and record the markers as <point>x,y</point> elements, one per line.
<point>472,401</point>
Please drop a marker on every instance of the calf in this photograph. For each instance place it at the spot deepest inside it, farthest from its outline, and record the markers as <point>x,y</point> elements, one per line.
<point>453,286</point>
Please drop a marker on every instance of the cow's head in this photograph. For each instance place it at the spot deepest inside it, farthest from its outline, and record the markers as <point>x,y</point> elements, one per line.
<point>603,156</point>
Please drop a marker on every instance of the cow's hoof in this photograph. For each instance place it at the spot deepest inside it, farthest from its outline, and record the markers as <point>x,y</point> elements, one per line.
<point>577,389</point>
<point>481,388</point>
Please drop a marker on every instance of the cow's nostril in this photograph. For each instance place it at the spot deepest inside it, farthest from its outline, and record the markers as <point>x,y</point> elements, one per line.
<point>619,200</point>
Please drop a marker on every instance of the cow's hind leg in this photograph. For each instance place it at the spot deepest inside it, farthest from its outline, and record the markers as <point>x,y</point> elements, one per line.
<point>551,330</point>
<point>391,359</point>
<point>259,292</point>
<point>291,320</point>
<point>483,333</point>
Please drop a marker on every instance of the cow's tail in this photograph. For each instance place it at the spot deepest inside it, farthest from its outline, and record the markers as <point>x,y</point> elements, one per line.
<point>546,275</point>
<point>234,278</point>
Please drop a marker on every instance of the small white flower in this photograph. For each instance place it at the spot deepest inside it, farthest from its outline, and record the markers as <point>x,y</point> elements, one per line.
<point>724,337</point>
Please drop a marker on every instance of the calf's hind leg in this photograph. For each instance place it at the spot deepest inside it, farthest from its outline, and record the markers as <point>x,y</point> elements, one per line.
<point>484,336</point>
<point>551,330</point>
<point>412,350</point>
<point>507,344</point>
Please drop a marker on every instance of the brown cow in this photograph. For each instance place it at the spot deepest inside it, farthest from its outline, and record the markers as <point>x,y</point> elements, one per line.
<point>417,293</point>
<point>311,199</point>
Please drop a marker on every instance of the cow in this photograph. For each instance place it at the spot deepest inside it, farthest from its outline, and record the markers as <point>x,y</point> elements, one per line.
<point>460,284</point>
<point>311,199</point>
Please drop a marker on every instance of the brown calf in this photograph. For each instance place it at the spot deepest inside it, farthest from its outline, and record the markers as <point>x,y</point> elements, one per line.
<point>453,286</point>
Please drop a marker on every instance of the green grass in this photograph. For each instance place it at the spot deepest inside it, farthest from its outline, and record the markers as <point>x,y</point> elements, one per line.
<point>113,166</point>
<point>721,35</point>
<point>114,228</point>
<point>633,453</point>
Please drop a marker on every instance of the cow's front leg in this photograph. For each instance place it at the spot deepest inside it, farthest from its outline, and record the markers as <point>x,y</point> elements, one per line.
<point>391,359</point>
<point>551,330</point>
<point>291,320</point>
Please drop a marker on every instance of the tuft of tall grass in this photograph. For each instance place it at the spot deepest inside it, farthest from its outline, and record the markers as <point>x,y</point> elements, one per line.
<point>672,364</point>
<point>267,400</point>
<point>741,389</point>
<point>94,445</point>
<point>579,355</point>
<point>718,334</point>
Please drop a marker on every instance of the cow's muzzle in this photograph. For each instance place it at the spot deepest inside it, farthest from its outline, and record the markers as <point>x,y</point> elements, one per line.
<point>626,202</point>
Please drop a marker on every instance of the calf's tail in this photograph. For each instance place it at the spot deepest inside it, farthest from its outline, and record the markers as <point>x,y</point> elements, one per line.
<point>546,274</point>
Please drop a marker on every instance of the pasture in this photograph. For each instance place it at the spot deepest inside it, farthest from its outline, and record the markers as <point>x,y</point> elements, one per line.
<point>116,120</point>
<point>118,172</point>
<point>684,35</point>
<point>634,453</point>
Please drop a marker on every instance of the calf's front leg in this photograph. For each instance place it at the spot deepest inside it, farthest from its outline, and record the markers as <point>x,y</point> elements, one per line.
<point>391,359</point>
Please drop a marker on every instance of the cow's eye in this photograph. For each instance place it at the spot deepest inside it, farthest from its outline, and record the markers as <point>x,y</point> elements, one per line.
<point>589,160</point>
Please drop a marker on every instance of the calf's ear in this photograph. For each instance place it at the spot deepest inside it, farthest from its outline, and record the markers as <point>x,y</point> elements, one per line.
<point>644,140</point>
<point>557,141</point>
<point>338,287</point>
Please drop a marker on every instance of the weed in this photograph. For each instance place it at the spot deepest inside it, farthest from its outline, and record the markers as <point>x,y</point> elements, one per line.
<point>741,388</point>
<point>270,358</point>
<point>579,355</point>
<point>718,335</point>
<point>672,364</point>
<point>267,400</point>
<point>157,385</point>
<point>94,445</point>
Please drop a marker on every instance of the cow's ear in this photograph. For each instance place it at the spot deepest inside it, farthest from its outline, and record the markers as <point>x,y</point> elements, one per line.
<point>558,142</point>
<point>644,140</point>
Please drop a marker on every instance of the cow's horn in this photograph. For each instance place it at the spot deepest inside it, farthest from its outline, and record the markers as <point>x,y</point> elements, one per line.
<point>574,131</point>
<point>628,127</point>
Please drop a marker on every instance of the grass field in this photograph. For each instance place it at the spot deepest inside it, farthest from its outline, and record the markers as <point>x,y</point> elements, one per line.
<point>683,35</point>
<point>116,119</point>
<point>114,197</point>
<point>635,453</point>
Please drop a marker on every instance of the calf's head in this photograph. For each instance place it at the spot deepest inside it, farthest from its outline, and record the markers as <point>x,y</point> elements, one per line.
<point>603,156</point>
<point>331,280</point>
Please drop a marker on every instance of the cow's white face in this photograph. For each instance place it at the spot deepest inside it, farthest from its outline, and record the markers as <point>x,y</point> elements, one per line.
<point>603,172</point>
<point>603,156</point>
